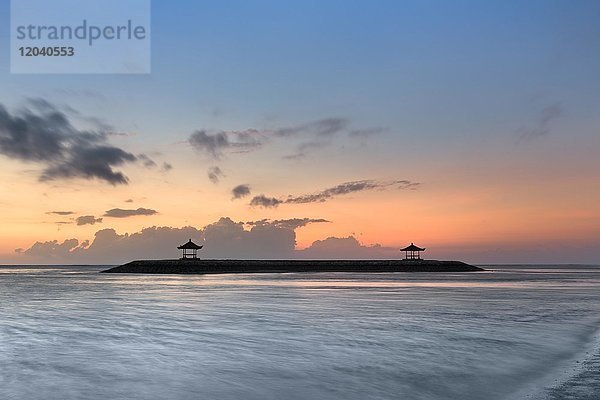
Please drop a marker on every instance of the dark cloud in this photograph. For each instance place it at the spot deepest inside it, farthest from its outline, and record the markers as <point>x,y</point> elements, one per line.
<point>87,220</point>
<point>61,212</point>
<point>240,191</point>
<point>121,213</point>
<point>46,136</point>
<point>129,201</point>
<point>166,167</point>
<point>293,223</point>
<point>212,144</point>
<point>346,188</point>
<point>264,201</point>
<point>215,174</point>
<point>91,162</point>
<point>545,119</point>
<point>216,143</point>
<point>146,161</point>
<point>327,194</point>
<point>245,140</point>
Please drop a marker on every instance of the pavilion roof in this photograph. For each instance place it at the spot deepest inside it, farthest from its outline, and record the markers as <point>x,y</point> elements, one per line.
<point>189,245</point>
<point>412,247</point>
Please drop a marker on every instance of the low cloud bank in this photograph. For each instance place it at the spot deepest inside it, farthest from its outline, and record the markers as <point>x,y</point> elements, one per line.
<point>264,239</point>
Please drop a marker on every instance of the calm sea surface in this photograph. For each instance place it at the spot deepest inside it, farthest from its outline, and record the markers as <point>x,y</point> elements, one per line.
<point>518,332</point>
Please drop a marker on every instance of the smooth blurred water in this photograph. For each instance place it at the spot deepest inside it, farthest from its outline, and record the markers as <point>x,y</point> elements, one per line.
<point>515,332</point>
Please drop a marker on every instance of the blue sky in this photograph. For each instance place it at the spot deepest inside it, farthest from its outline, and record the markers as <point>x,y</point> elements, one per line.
<point>450,87</point>
<point>472,64</point>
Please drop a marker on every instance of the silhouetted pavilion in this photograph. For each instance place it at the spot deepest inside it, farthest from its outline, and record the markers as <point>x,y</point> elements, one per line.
<point>412,252</point>
<point>190,249</point>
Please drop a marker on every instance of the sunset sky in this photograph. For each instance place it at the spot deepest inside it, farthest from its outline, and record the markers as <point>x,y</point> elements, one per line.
<point>471,128</point>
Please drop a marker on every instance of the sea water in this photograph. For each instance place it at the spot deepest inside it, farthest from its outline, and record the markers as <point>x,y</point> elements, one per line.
<point>514,332</point>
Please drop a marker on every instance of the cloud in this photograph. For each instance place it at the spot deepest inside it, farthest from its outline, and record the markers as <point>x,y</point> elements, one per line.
<point>348,247</point>
<point>87,220</point>
<point>166,167</point>
<point>222,239</point>
<point>240,191</point>
<point>319,133</point>
<point>314,135</point>
<point>364,133</point>
<point>63,213</point>
<point>129,201</point>
<point>330,193</point>
<point>303,149</point>
<point>91,162</point>
<point>264,201</point>
<point>346,188</point>
<point>146,161</point>
<point>46,136</point>
<point>215,144</point>
<point>215,174</point>
<point>293,223</point>
<point>547,116</point>
<point>212,144</point>
<point>121,213</point>
<point>322,127</point>
<point>52,250</point>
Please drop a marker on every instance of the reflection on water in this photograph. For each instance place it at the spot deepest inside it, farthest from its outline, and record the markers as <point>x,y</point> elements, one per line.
<point>69,332</point>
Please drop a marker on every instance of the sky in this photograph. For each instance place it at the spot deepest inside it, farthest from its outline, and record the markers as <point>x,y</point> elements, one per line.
<point>321,129</point>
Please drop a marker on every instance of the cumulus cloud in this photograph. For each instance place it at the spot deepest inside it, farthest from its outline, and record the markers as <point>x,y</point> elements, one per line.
<point>63,213</point>
<point>121,213</point>
<point>87,220</point>
<point>52,250</point>
<point>46,136</point>
<point>330,193</point>
<point>215,174</point>
<point>240,191</point>
<point>223,239</point>
<point>348,247</point>
<point>546,117</point>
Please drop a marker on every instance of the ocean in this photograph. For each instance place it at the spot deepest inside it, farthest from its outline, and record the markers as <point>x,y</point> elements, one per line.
<point>513,332</point>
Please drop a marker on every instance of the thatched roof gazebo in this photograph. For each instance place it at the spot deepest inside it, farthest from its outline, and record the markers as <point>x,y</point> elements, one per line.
<point>189,250</point>
<point>412,252</point>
